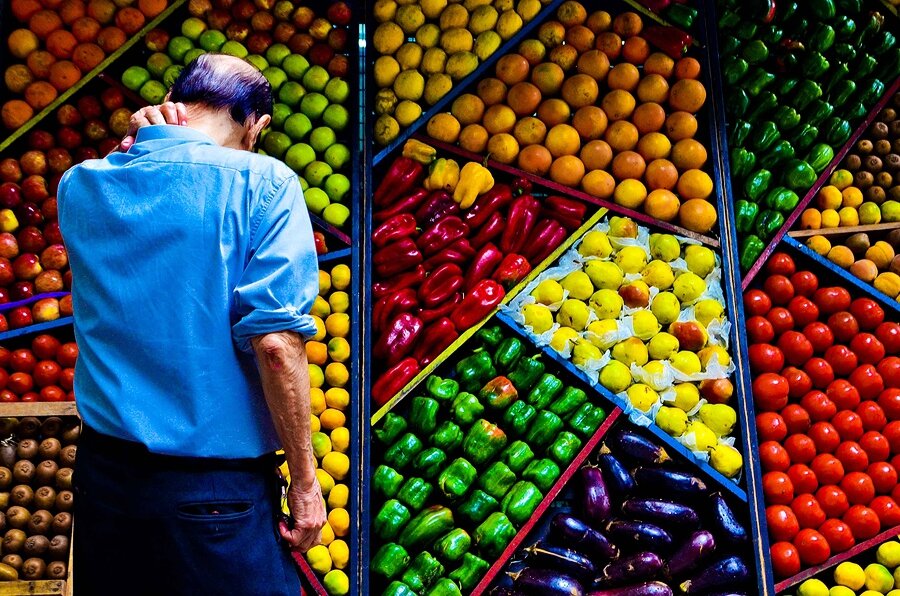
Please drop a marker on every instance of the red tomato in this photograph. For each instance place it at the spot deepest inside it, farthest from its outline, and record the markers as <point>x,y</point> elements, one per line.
<point>867,381</point>
<point>67,379</point>
<point>756,302</point>
<point>777,488</point>
<point>770,392</point>
<point>808,511</point>
<point>803,478</point>
<point>5,355</point>
<point>868,348</point>
<point>30,396</point>
<point>7,396</point>
<point>887,510</point>
<point>820,371</point>
<point>832,500</point>
<point>889,400</point>
<point>859,488</point>
<point>889,369</point>
<point>20,383</point>
<point>53,393</point>
<point>67,355</point>
<point>782,522</point>
<point>843,394</point>
<point>863,522</point>
<point>841,359</point>
<point>781,318</point>
<point>843,325</point>
<point>875,445</point>
<point>760,330</point>
<point>832,299</point>
<point>825,436</point>
<point>812,546</point>
<point>848,424</point>
<point>45,346</point>
<point>818,406</point>
<point>781,264</point>
<point>799,382</point>
<point>800,448</point>
<point>803,310</point>
<point>779,289</point>
<point>891,432</point>
<point>883,475</point>
<point>838,535</point>
<point>796,418</point>
<point>805,283</point>
<point>765,358</point>
<point>46,372</point>
<point>4,377</point>
<point>887,333</point>
<point>770,426</point>
<point>872,415</point>
<point>868,313</point>
<point>827,468</point>
<point>22,361</point>
<point>796,348</point>
<point>852,456</point>
<point>785,559</point>
<point>895,494</point>
<point>774,457</point>
<point>819,335</point>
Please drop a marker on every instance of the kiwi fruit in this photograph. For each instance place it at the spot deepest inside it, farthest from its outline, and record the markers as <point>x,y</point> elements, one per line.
<point>49,448</point>
<point>56,570</point>
<point>23,471</point>
<point>879,130</point>
<point>13,560</point>
<point>13,540</point>
<point>67,456</point>
<point>887,114</point>
<point>45,472</point>
<point>882,147</point>
<point>853,162</point>
<point>892,161</point>
<point>894,193</point>
<point>858,243</point>
<point>70,434</point>
<point>893,238</point>
<point>17,517</point>
<point>864,146</point>
<point>871,163</point>
<point>33,569</point>
<point>64,479</point>
<point>58,549</point>
<point>6,478</point>
<point>65,500</point>
<point>27,449</point>
<point>45,497</point>
<point>28,427</point>
<point>40,522</point>
<point>4,501</point>
<point>875,194</point>
<point>36,546</point>
<point>22,495</point>
<point>863,179</point>
<point>2,521</point>
<point>884,179</point>
<point>51,426</point>
<point>62,523</point>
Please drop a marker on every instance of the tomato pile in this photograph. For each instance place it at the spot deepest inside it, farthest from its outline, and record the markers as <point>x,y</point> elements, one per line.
<point>827,392</point>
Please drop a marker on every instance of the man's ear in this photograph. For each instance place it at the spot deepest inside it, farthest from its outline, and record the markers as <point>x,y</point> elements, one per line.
<point>255,129</point>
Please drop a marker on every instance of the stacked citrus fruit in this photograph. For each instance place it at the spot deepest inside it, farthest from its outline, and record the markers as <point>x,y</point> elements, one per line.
<point>61,40</point>
<point>867,577</point>
<point>591,104</point>
<point>450,40</point>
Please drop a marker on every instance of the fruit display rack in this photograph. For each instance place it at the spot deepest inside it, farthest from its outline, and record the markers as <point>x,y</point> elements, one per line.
<point>584,266</point>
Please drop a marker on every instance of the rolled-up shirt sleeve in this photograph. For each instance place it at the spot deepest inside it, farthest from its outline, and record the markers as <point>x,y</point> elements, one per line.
<point>281,280</point>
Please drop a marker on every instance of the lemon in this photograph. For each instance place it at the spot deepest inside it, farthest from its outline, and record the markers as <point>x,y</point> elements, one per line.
<point>508,24</point>
<point>720,418</point>
<point>384,10</point>
<point>605,275</point>
<point>321,444</point>
<point>388,38</point>
<point>607,304</point>
<point>324,283</point>
<point>338,496</point>
<point>337,398</point>
<point>337,465</point>
<point>407,112</point>
<point>726,460</point>
<point>386,129</point>
<point>317,401</point>
<point>631,259</point>
<point>320,329</point>
<point>437,86</point>
<point>336,374</point>
<point>615,376</point>
<point>338,324</point>
<point>409,55</point>
<point>595,244</point>
<point>662,346</point>
<point>700,260</point>
<point>340,554</point>
<point>664,247</point>
<point>340,277</point>
<point>672,420</point>
<point>339,301</point>
<point>878,578</point>
<point>895,592</point>
<point>687,287</point>
<point>645,324</point>
<point>665,307</point>
<point>316,376</point>
<point>385,70</point>
<point>578,284</point>
<point>486,44</point>
<point>319,559</point>
<point>548,292</point>
<point>563,337</point>
<point>340,521</point>
<point>339,349</point>
<point>332,419</point>
<point>320,308</point>
<point>642,397</point>
<point>888,554</point>
<point>686,362</point>
<point>340,439</point>
<point>327,534</point>
<point>687,396</point>
<point>584,351</point>
<point>433,61</point>
<point>336,583</point>
<point>538,317</point>
<point>574,314</point>
<point>850,574</point>
<point>841,591</point>
<point>704,438</point>
<point>314,424</point>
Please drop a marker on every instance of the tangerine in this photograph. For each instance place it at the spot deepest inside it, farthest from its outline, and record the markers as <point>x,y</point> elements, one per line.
<point>499,118</point>
<point>653,87</point>
<point>681,125</point>
<point>468,109</point>
<point>659,63</point>
<point>593,63</point>
<point>40,94</point>
<point>554,111</point>
<point>548,77</point>
<point>648,117</point>
<point>535,159</point>
<point>581,38</point>
<point>610,44</point>
<point>22,42</point>
<point>474,138</point>
<point>15,113</point>
<point>39,63</point>
<point>623,76</point>
<point>512,69</point>
<point>687,95</point>
<point>599,184</point>
<point>503,147</point>
<point>551,34</point>
<point>628,24</point>
<point>654,145</point>
<point>567,169</point>
<point>661,173</point>
<point>533,51</point>
<point>697,215</point>
<point>86,30</point>
<point>564,55</point>
<point>151,8</point>
<point>636,50</point>
<point>72,10</point>
<point>130,20</point>
<point>628,164</point>
<point>25,9</point>
<point>17,77</point>
<point>491,91</point>
<point>618,104</point>
<point>87,56</point>
<point>64,74</point>
<point>571,13</point>
<point>621,135</point>
<point>694,184</point>
<point>61,44</point>
<point>630,193</point>
<point>580,90</point>
<point>524,98</point>
<point>596,155</point>
<point>530,131</point>
<point>562,139</point>
<point>44,22</point>
<point>111,39</point>
<point>689,154</point>
<point>662,204</point>
<point>687,68</point>
<point>443,127</point>
<point>599,21</point>
<point>590,122</point>
<point>102,11</point>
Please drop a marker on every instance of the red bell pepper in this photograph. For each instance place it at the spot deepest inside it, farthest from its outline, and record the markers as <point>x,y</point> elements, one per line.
<point>543,240</point>
<point>459,252</point>
<point>397,227</point>
<point>489,231</point>
<point>442,234</point>
<point>429,316</point>
<point>436,338</point>
<point>672,41</point>
<point>387,308</point>
<point>656,6</point>
<point>512,270</point>
<point>438,206</point>
<point>321,247</point>
<point>409,279</point>
<point>521,186</point>
<point>394,379</point>
<point>398,339</point>
<point>568,212</point>
<point>407,204</point>
<point>442,283</point>
<point>484,265</point>
<point>396,257</point>
<point>400,178</point>
<point>523,214</point>
<point>480,301</point>
<point>487,204</point>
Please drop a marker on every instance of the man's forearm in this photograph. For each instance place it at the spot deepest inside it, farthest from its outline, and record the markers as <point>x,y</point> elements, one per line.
<point>284,372</point>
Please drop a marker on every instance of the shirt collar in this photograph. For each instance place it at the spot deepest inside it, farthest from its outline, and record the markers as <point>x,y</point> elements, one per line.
<point>169,131</point>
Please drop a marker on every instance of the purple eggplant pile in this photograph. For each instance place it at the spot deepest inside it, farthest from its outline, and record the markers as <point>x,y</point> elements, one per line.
<point>639,525</point>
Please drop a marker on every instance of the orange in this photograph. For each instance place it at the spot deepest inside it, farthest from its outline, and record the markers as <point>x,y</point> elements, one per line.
<point>653,87</point>
<point>599,21</point>
<point>111,39</point>
<point>491,91</point>
<point>443,127</point>
<point>811,219</point>
<point>621,135</point>
<point>15,113</point>
<point>687,68</point>
<point>130,20</point>
<point>630,193</point>
<point>474,138</point>
<point>467,108</point>
<point>623,76</point>
<point>681,125</point>
<point>533,51</point>
<point>530,131</point>
<point>554,111</point>
<point>618,104</point>
<point>17,77</point>
<point>654,145</point>
<point>72,10</point>
<point>596,155</point>
<point>563,55</point>
<point>661,173</point>
<point>61,44</point>
<point>688,154</point>
<point>636,50</point>
<point>524,98</point>
<point>64,74</point>
<point>87,56</point>
<point>697,215</point>
<point>627,24</point>
<point>316,353</point>
<point>22,42</point>
<point>610,44</point>
<point>599,184</point>
<point>548,77</point>
<point>40,94</point>
<point>662,204</point>
<point>512,69</point>
<point>151,8</point>
<point>39,63</point>
<point>44,22</point>
<point>562,139</point>
<point>593,63</point>
<point>580,90</point>
<point>551,34</point>
<point>86,30</point>
<point>628,164</point>
<point>687,95</point>
<point>101,10</point>
<point>499,118</point>
<point>648,117</point>
<point>571,12</point>
<point>581,38</point>
<point>503,148</point>
<point>694,184</point>
<point>659,63</point>
<point>24,9</point>
<point>535,159</point>
<point>567,170</point>
<point>590,122</point>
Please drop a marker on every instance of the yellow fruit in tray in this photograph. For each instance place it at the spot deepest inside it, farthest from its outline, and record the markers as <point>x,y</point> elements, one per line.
<point>819,245</point>
<point>603,334</point>
<point>337,465</point>
<point>340,439</point>
<point>622,227</point>
<point>327,534</point>
<point>585,351</point>
<point>320,308</point>
<point>645,324</point>
<point>461,64</point>
<point>316,376</point>
<point>578,284</point>
<point>841,179</point>
<point>704,438</point>
<point>528,9</point>
<point>888,554</point>
<point>642,397</point>
<point>388,38</point>
<point>437,86</point>
<point>332,418</point>
<point>385,102</point>
<point>321,444</point>
<point>851,197</point>
<point>700,260</point>
<point>433,8</point>
<point>636,294</point>
<point>340,553</point>
<point>443,127</point>
<point>410,17</point>
<point>849,216</point>
<point>631,259</point>
<point>482,19</point>
<point>409,55</point>
<point>338,324</point>
<point>615,376</point>
<point>324,283</point>
<point>657,369</point>
<point>336,374</point>
<point>672,420</point>
<point>429,36</point>
<point>326,482</point>
<point>631,351</point>
<point>455,15</point>
<point>508,24</point>
<point>851,574</point>
<point>384,10</point>
<point>664,247</point>
<point>662,346</point>
<point>317,401</point>
<point>604,274</point>
<point>409,84</point>
<point>706,311</point>
<point>386,129</point>
<point>314,424</point>
<point>548,292</point>
<point>316,353</point>
<point>881,253</point>
<point>707,354</point>
<point>726,460</point>
<point>339,520</point>
<point>563,337</point>
<point>337,398</point>
<point>538,317</point>
<point>433,61</point>
<point>688,287</point>
<point>878,578</point>
<point>720,418</point>
<point>830,218</point>
<point>687,396</point>
<point>686,362</point>
<point>595,244</point>
<point>458,39</point>
<point>607,304</point>
<point>338,496</point>
<point>666,307</point>
<point>658,274</point>
<point>574,314</point>
<point>336,583</point>
<point>319,559</point>
<point>486,44</point>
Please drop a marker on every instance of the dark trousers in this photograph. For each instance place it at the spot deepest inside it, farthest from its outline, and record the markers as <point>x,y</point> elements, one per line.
<point>156,525</point>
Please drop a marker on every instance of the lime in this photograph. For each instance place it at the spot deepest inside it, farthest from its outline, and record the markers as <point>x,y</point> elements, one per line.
<point>234,48</point>
<point>192,28</point>
<point>841,591</point>
<point>315,78</point>
<point>336,116</point>
<point>313,105</point>
<point>153,92</point>
<point>257,62</point>
<point>212,40</point>
<point>299,156</point>
<point>319,559</point>
<point>275,76</point>
<point>336,187</point>
<point>295,66</point>
<point>321,444</point>
<point>134,77</point>
<point>193,55</point>
<point>171,74</point>
<point>280,113</point>
<point>321,138</point>
<point>316,173</point>
<point>336,214</point>
<point>157,64</point>
<point>888,554</point>
<point>291,93</point>
<point>297,126</point>
<point>336,583</point>
<point>277,53</point>
<point>337,156</point>
<point>316,200</point>
<point>337,90</point>
<point>276,144</point>
<point>178,47</point>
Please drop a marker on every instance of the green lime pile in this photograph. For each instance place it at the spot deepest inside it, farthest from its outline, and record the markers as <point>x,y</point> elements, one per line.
<point>881,578</point>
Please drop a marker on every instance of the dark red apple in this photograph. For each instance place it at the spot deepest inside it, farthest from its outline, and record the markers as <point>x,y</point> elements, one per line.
<point>19,317</point>
<point>237,31</point>
<point>157,40</point>
<point>20,382</point>
<point>52,394</point>
<point>4,325</point>
<point>48,281</point>
<point>7,396</point>
<point>319,29</point>
<point>96,130</point>
<point>199,8</point>
<point>67,379</point>
<point>59,159</point>
<point>4,296</point>
<point>320,54</point>
<point>53,184</point>
<point>258,43</point>
<point>10,170</point>
<point>112,99</point>
<point>33,162</point>
<point>339,13</point>
<point>29,214</point>
<point>52,234</point>
<point>85,153</point>
<point>65,306</point>
<point>106,146</point>
<point>90,107</point>
<point>49,209</point>
<point>45,346</point>
<point>26,266</point>
<point>283,32</point>
<point>303,17</point>
<point>69,138</point>
<point>9,246</point>
<point>21,290</point>
<point>300,43</point>
<point>40,140</point>
<point>262,21</point>
<point>55,257</point>
<point>10,195</point>
<point>338,66</point>
<point>337,39</point>
<point>67,354</point>
<point>7,276</point>
<point>68,115</point>
<point>46,309</point>
<point>218,19</point>
<point>46,372</point>
<point>67,280</point>
<point>224,4</point>
<point>31,240</point>
<point>34,189</point>
<point>243,10</point>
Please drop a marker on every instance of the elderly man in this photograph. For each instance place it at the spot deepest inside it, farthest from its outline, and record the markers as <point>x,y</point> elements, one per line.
<point>194,269</point>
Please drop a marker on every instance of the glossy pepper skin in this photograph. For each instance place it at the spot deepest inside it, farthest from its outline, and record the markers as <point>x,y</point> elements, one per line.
<point>682,15</point>
<point>423,572</point>
<point>740,132</point>
<point>442,234</point>
<point>457,253</point>
<point>399,339</point>
<point>401,177</point>
<point>543,473</point>
<point>734,68</point>
<point>755,52</point>
<point>436,206</point>
<point>757,81</point>
<point>777,155</point>
<point>403,281</point>
<point>466,408</point>
<point>397,227</point>
<point>444,587</point>
<point>483,266</point>
<point>414,493</point>
<point>436,338</point>
<point>391,306</point>
<point>521,502</point>
<point>518,416</point>
<point>430,315</point>
<point>386,481</point>
<point>441,389</point>
<point>751,249</point>
<point>423,414</point>
<point>397,588</point>
<point>452,546</point>
<point>448,436</point>
<point>394,379</point>
<point>781,199</point>
<point>494,534</point>
<point>564,448</point>
<point>396,258</point>
<point>836,131</point>
<point>568,401</point>
<point>804,137</point>
<point>799,175</point>
<point>490,336</point>
<point>457,478</point>
<point>568,212</point>
<point>477,304</point>
<point>586,420</point>
<point>544,429</point>
<point>477,507</point>
<point>526,373</point>
<point>745,215</point>
<point>392,426</point>
<point>817,112</point>
<point>763,105</point>
<point>390,519</point>
<point>390,560</point>
<point>786,118</point>
<point>546,389</point>
<point>418,151</point>
<point>511,270</point>
<point>496,480</point>
<point>488,204</point>
<point>498,393</point>
<point>490,231</point>
<point>670,40</point>
<point>484,441</point>
<point>426,527</point>
<point>408,204</point>
<point>443,174</point>
<point>474,370</point>
<point>768,224</point>
<point>543,240</point>
<point>805,93</point>
<point>742,162</point>
<point>517,456</point>
<point>756,185</point>
<point>403,451</point>
<point>474,180</point>
<point>523,214</point>
<point>764,136</point>
<point>508,353</point>
<point>471,571</point>
<point>737,102</point>
<point>444,281</point>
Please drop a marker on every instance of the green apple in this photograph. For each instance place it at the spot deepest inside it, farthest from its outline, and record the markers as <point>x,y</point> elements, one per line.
<point>316,173</point>
<point>212,40</point>
<point>299,156</point>
<point>337,156</point>
<point>336,214</point>
<point>297,126</point>
<point>291,93</point>
<point>178,47</point>
<point>193,55</point>
<point>234,48</point>
<point>258,62</point>
<point>313,105</point>
<point>336,116</point>
<point>275,76</point>
<point>337,90</point>
<point>134,77</point>
<point>153,92</point>
<point>157,64</point>
<point>316,200</point>
<point>295,66</point>
<point>276,53</point>
<point>321,138</point>
<point>280,113</point>
<point>315,78</point>
<point>276,143</point>
<point>337,186</point>
<point>303,183</point>
<point>192,27</point>
<point>171,74</point>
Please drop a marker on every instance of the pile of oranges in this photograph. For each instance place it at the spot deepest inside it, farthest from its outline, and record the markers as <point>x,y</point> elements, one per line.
<point>60,41</point>
<point>589,104</point>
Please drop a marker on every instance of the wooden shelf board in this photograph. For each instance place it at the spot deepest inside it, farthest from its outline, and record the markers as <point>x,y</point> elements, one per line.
<point>880,227</point>
<point>39,409</point>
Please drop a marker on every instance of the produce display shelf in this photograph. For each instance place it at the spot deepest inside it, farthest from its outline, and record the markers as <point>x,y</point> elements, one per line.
<point>829,232</point>
<point>38,408</point>
<point>42,587</point>
<point>330,229</point>
<point>60,322</point>
<point>658,19</point>
<point>309,575</point>
<point>64,96</point>
<point>820,181</point>
<point>335,255</point>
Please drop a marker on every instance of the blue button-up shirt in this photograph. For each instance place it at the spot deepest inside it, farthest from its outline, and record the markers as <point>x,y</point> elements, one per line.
<point>181,251</point>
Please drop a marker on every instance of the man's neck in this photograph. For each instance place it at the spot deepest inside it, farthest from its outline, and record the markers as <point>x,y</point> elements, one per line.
<point>216,125</point>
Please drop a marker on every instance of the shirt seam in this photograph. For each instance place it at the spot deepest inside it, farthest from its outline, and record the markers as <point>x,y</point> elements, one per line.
<point>260,171</point>
<point>265,208</point>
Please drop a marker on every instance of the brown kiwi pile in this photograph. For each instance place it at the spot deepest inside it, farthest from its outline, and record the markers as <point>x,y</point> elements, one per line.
<point>875,160</point>
<point>36,459</point>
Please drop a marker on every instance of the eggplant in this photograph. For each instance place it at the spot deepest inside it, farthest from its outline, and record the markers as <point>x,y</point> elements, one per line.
<point>636,567</point>
<point>617,476</point>
<point>726,523</point>
<point>544,582</point>
<point>563,559</point>
<point>645,589</point>
<point>639,536</point>
<point>721,574</point>
<point>658,479</point>
<point>663,512</point>
<point>692,553</point>
<point>597,505</point>
<point>638,448</point>
<point>570,531</point>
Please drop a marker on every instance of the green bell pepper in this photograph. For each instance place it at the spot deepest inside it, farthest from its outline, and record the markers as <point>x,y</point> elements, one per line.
<point>466,408</point>
<point>471,571</point>
<point>854,6</point>
<point>472,371</point>
<point>884,42</point>
<point>564,448</point>
<point>822,38</point>
<point>526,374</point>
<point>390,560</point>
<point>729,19</point>
<point>497,479</point>
<point>396,588</point>
<point>786,118</point>
<point>823,9</point>
<point>386,481</point>
<point>494,534</point>
<point>787,10</point>
<point>755,52</point>
<point>864,65</point>
<point>817,112</point>
<point>521,501</point>
<point>546,389</point>
<point>804,137</point>
<point>872,91</point>
<point>448,436</point>
<point>422,572</point>
<point>570,399</point>
<point>490,337</point>
<point>483,442</point>
<point>844,52</point>
<point>441,389</point>
<point>740,131</point>
<point>787,85</point>
<point>737,102</point>
<point>745,30</point>
<point>814,65</point>
<point>844,28</point>
<point>681,15</point>
<point>836,131</point>
<point>798,175</point>
<point>453,545</point>
<point>764,136</point>
<point>768,224</point>
<point>477,507</point>
<point>781,199</point>
<point>757,80</point>
<point>777,155</point>
<point>423,414</point>
<point>457,478</point>
<point>819,157</point>
<point>518,416</point>
<point>517,455</point>
<point>392,426</point>
<point>414,493</point>
<point>729,44</point>
<point>839,73</point>
<point>400,454</point>
<point>734,68</point>
<point>842,93</point>
<point>869,29</point>
<point>805,93</point>
<point>771,34</point>
<point>426,527</point>
<point>751,249</point>
<point>857,111</point>
<point>755,187</point>
<point>508,353</point>
<point>544,429</point>
<point>745,215</point>
<point>498,393</point>
<point>390,519</point>
<point>543,473</point>
<point>742,162</point>
<point>586,420</point>
<point>444,587</point>
<point>763,104</point>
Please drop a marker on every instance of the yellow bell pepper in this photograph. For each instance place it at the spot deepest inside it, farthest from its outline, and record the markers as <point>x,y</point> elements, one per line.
<point>474,180</point>
<point>444,175</point>
<point>419,151</point>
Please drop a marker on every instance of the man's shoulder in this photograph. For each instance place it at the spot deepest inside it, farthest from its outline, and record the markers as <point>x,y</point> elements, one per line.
<point>244,161</point>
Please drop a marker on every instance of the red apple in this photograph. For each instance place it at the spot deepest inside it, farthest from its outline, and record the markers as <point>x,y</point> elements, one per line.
<point>243,10</point>
<point>26,266</point>
<point>49,209</point>
<point>52,394</point>
<point>237,31</point>
<point>55,257</point>
<point>10,195</point>
<point>19,317</point>
<point>339,13</point>
<point>96,130</point>
<point>717,391</point>
<point>53,184</point>
<point>319,29</point>
<point>112,99</point>
<point>262,21</point>
<point>67,280</point>
<point>30,396</point>
<point>67,354</point>
<point>21,290</point>
<point>10,170</point>
<point>68,115</point>
<point>337,39</point>
<point>69,138</point>
<point>320,54</point>
<point>283,32</point>
<point>40,140</point>
<point>258,43</point>
<point>33,162</point>
<point>20,383</point>
<point>45,309</point>
<point>52,234</point>
<point>45,346</point>
<point>67,379</point>
<point>4,325</point>
<point>218,19</point>
<point>9,247</point>
<point>321,246</point>
<point>46,372</point>
<point>690,335</point>
<point>4,357</point>
<point>303,17</point>
<point>22,360</point>
<point>300,43</point>
<point>85,153</point>
<point>48,281</point>
<point>199,8</point>
<point>34,188</point>
<point>157,40</point>
<point>29,214</point>
<point>6,272</point>
<point>106,146</point>
<point>4,296</point>
<point>31,240</point>
<point>338,66</point>
<point>65,306</point>
<point>59,160</point>
<point>90,107</point>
